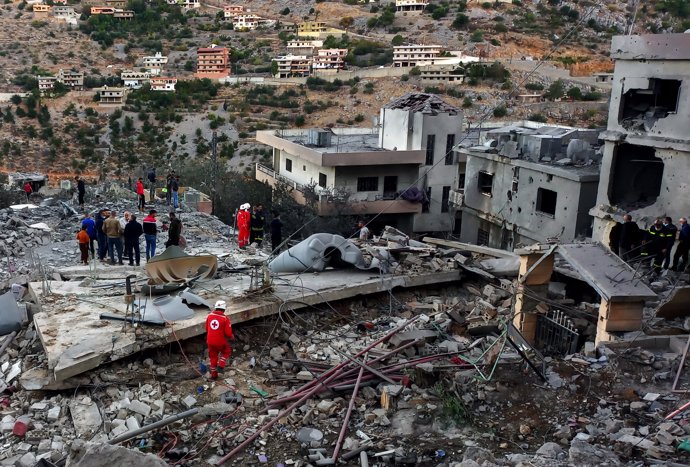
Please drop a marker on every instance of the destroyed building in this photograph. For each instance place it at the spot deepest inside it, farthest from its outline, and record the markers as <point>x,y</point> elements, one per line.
<point>647,143</point>
<point>528,183</point>
<point>399,169</point>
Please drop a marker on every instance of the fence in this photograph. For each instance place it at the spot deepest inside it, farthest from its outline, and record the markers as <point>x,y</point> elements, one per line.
<point>556,334</point>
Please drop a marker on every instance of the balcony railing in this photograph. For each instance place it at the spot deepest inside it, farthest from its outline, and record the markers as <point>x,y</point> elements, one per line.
<point>273,174</point>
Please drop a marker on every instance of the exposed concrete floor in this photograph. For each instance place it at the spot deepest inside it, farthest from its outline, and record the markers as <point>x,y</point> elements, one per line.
<point>76,340</point>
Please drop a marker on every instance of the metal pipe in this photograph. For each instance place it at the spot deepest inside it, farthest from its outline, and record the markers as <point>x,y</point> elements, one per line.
<point>153,426</point>
<point>366,367</point>
<point>331,375</point>
<point>7,342</point>
<point>343,430</point>
<point>338,367</point>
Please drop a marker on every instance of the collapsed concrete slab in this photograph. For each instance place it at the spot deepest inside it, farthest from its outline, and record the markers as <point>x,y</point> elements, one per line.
<point>174,265</point>
<point>75,340</point>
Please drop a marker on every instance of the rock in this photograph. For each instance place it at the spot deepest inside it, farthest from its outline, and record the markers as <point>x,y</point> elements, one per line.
<point>132,424</point>
<point>309,436</point>
<point>140,408</point>
<point>53,414</point>
<point>85,416</point>
<point>189,402</point>
<point>582,453</point>
<point>325,406</point>
<point>105,455</point>
<point>550,450</point>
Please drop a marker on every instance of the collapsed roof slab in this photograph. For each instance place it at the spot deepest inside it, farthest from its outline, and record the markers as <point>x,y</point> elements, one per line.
<point>610,276</point>
<point>76,340</point>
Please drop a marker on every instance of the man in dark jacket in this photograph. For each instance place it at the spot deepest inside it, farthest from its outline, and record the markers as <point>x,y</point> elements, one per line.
<point>133,231</point>
<point>81,190</point>
<point>257,225</point>
<point>655,245</point>
<point>670,234</point>
<point>174,231</point>
<point>683,246</point>
<point>100,235</point>
<point>629,238</point>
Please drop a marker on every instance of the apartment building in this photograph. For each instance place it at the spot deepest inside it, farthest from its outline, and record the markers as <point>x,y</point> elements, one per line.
<point>109,10</point>
<point>163,84</point>
<point>250,22</point>
<point>212,62</point>
<point>441,74</point>
<point>415,55</point>
<point>108,96</point>
<point>646,155</point>
<point>317,30</point>
<point>293,66</point>
<point>303,47</point>
<point>533,183</point>
<point>387,169</point>
<point>123,14</point>
<point>154,63</point>
<point>329,59</point>
<point>134,79</point>
<point>72,79</point>
<point>230,11</point>
<point>410,6</point>
<point>41,9</point>
<point>187,4</point>
<point>66,14</point>
<point>116,3</point>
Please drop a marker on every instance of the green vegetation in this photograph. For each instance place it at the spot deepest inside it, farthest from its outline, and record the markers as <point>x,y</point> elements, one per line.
<point>541,118</point>
<point>386,18</point>
<point>190,95</point>
<point>266,96</point>
<point>500,111</point>
<point>495,72</point>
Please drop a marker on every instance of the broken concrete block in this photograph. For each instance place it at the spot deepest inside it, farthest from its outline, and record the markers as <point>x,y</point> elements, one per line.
<point>132,424</point>
<point>27,460</point>
<point>39,406</point>
<point>636,441</point>
<point>105,455</point>
<point>85,416</point>
<point>140,408</point>
<point>304,375</point>
<point>189,402</point>
<point>325,406</point>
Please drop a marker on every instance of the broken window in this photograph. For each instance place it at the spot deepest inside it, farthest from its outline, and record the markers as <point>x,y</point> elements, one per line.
<point>485,182</point>
<point>444,199</point>
<point>640,108</point>
<point>288,164</point>
<point>430,143</point>
<point>546,201</point>
<point>367,184</point>
<point>482,237</point>
<point>450,143</point>
<point>322,180</point>
<point>636,176</point>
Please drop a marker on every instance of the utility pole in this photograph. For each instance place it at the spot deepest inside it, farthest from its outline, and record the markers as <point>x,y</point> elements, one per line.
<point>214,168</point>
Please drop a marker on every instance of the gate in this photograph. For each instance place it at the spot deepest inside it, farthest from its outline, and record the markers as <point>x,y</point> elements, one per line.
<point>556,334</point>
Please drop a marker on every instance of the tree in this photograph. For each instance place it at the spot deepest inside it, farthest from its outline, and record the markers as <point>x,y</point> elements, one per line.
<point>575,93</point>
<point>398,40</point>
<point>500,111</point>
<point>556,90</point>
<point>346,22</point>
<point>274,68</point>
<point>461,21</point>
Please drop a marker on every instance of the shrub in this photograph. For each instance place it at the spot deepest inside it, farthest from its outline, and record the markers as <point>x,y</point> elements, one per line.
<point>500,111</point>
<point>537,118</point>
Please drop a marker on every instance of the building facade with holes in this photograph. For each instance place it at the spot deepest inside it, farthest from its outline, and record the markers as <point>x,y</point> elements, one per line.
<point>646,158</point>
<point>387,169</point>
<point>529,183</point>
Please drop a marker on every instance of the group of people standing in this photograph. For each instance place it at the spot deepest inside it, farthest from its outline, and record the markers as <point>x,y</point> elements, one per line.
<point>657,243</point>
<point>252,225</point>
<point>121,236</point>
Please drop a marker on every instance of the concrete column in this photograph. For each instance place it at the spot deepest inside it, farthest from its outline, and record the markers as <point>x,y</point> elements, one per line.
<point>618,317</point>
<point>525,314</point>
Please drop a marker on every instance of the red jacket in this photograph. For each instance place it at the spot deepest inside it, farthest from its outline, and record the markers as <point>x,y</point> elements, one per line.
<point>27,187</point>
<point>140,188</point>
<point>217,327</point>
<point>243,219</point>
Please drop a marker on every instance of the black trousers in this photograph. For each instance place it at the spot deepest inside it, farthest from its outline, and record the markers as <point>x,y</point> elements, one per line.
<point>81,198</point>
<point>275,242</point>
<point>133,251</point>
<point>682,254</point>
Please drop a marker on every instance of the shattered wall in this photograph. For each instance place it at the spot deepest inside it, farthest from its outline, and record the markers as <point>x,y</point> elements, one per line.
<point>647,143</point>
<point>517,211</point>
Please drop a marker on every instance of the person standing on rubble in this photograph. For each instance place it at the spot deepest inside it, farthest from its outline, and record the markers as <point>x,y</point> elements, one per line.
<point>655,241</point>
<point>141,197</point>
<point>150,233</point>
<point>174,231</point>
<point>113,230</point>
<point>683,245</point>
<point>123,224</point>
<point>28,190</point>
<point>83,240</point>
<point>90,225</point>
<point>151,175</point>
<point>81,190</point>
<point>133,231</point>
<point>100,234</point>
<point>218,327</point>
<point>175,187</point>
<point>243,225</point>
<point>670,234</point>
<point>258,224</point>
<point>363,230</point>
<point>629,238</point>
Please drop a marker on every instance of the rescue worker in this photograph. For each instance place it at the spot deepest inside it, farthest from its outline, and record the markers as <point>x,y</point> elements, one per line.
<point>258,224</point>
<point>28,190</point>
<point>670,234</point>
<point>243,225</point>
<point>655,244</point>
<point>218,327</point>
<point>629,238</point>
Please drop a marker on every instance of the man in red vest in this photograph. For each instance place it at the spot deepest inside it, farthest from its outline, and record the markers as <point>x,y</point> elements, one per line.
<point>217,328</point>
<point>243,225</point>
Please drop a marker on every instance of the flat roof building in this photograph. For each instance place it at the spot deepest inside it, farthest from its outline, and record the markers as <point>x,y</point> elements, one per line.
<point>317,30</point>
<point>293,66</point>
<point>108,96</point>
<point>415,55</point>
<point>212,62</point>
<point>329,59</point>
<point>163,84</point>
<point>410,6</point>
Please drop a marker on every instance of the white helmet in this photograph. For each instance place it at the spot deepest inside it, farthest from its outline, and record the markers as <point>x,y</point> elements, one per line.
<point>245,206</point>
<point>220,305</point>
